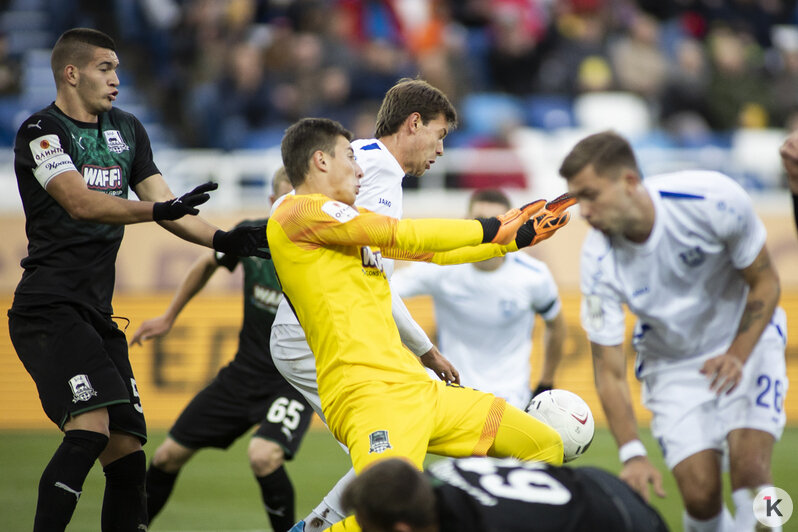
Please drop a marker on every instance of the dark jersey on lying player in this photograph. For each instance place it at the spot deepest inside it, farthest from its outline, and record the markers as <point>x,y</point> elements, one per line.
<point>492,495</point>
<point>69,259</point>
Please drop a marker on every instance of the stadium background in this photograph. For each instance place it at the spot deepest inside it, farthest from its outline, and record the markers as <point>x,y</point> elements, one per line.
<point>690,83</point>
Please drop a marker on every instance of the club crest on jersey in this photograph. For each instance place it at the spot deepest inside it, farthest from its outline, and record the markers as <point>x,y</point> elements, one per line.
<point>508,307</point>
<point>693,257</point>
<point>113,139</point>
<point>371,259</point>
<point>81,388</point>
<point>378,441</point>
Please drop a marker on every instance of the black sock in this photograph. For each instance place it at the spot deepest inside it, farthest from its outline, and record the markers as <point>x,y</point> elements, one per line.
<point>278,498</point>
<point>125,501</point>
<point>159,486</point>
<point>62,479</point>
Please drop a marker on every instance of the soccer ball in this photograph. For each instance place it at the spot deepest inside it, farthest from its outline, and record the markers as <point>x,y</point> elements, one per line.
<point>569,415</point>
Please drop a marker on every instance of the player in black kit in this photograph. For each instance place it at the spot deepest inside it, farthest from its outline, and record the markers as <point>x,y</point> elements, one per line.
<point>75,161</point>
<point>484,494</point>
<point>246,392</point>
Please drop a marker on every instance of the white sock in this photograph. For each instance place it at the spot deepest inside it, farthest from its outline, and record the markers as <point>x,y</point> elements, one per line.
<point>329,511</point>
<point>744,519</point>
<point>722,522</point>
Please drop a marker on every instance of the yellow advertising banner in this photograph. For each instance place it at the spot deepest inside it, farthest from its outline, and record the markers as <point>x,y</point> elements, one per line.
<point>169,371</point>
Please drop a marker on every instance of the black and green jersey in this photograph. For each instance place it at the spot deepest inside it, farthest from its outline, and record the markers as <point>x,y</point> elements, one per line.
<point>262,295</point>
<point>69,259</point>
<point>482,494</point>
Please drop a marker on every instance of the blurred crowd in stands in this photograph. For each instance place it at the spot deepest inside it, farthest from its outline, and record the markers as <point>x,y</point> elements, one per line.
<point>234,73</point>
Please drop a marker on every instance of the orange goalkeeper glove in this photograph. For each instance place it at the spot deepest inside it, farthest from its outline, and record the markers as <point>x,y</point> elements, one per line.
<point>545,222</point>
<point>502,229</point>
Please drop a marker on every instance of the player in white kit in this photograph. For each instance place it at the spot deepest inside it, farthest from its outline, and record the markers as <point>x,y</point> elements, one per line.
<point>686,254</point>
<point>485,313</point>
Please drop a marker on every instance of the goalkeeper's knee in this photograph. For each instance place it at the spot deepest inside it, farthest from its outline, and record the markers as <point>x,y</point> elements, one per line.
<point>524,437</point>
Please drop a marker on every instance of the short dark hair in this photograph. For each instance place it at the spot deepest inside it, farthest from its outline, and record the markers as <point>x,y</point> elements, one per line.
<point>410,96</point>
<point>489,195</point>
<point>303,139</point>
<point>75,47</point>
<point>606,151</point>
<point>391,491</point>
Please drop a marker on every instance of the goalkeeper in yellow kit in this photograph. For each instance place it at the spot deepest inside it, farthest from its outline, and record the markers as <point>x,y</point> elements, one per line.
<point>377,398</point>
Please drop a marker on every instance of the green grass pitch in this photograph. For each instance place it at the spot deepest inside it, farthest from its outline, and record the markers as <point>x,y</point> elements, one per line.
<point>216,491</point>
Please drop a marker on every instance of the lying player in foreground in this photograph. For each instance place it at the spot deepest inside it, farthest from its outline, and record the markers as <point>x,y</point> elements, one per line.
<point>482,494</point>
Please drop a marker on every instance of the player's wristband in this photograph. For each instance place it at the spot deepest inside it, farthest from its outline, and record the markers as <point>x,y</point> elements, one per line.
<point>631,449</point>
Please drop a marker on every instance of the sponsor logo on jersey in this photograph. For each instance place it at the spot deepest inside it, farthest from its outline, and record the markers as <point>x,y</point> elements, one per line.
<point>339,211</point>
<point>113,138</point>
<point>78,141</point>
<point>37,125</point>
<point>55,165</point>
<point>640,291</point>
<point>81,388</point>
<point>372,261</point>
<point>102,178</point>
<point>383,201</point>
<point>266,296</point>
<point>693,257</point>
<point>378,441</point>
<point>45,147</point>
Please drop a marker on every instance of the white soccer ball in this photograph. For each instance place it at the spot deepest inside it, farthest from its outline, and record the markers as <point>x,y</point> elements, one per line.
<point>569,415</point>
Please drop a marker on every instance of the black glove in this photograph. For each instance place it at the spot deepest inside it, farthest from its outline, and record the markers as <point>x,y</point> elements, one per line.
<point>243,241</point>
<point>185,204</point>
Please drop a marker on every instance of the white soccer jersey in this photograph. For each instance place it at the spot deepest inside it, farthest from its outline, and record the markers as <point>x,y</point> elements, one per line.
<point>683,282</point>
<point>485,318</point>
<point>380,192</point>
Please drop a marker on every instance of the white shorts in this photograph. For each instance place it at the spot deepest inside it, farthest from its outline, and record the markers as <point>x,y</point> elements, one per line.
<point>294,360</point>
<point>688,417</point>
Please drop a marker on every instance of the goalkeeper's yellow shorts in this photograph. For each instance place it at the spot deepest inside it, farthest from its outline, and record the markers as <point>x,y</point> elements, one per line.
<point>379,420</point>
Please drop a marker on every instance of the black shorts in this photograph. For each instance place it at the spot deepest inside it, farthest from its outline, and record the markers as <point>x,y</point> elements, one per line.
<point>78,359</point>
<point>222,412</point>
<point>615,505</point>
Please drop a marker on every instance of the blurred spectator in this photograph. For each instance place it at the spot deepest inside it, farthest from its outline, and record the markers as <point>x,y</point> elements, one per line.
<point>10,71</point>
<point>784,87</point>
<point>578,60</point>
<point>737,94</point>
<point>228,70</point>
<point>638,60</point>
<point>683,107</point>
<point>517,29</point>
<point>437,44</point>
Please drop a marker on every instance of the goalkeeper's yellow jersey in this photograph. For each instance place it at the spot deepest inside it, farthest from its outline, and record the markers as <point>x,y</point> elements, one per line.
<point>328,257</point>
